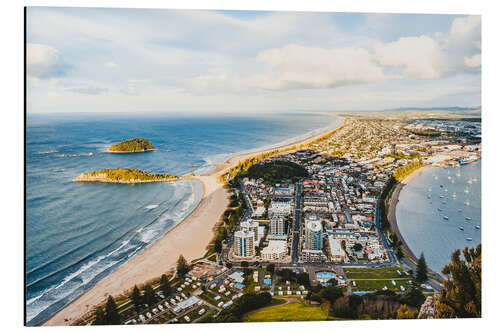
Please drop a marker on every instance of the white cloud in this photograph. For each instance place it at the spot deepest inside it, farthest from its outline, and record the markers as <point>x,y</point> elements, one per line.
<point>110,64</point>
<point>474,61</point>
<point>43,61</point>
<point>296,66</point>
<point>421,57</point>
<point>159,59</point>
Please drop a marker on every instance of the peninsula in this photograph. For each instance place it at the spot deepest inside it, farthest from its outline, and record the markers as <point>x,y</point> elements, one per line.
<point>123,176</point>
<point>136,145</point>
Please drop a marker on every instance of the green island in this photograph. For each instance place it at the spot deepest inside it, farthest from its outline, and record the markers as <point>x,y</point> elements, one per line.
<point>136,145</point>
<point>123,176</point>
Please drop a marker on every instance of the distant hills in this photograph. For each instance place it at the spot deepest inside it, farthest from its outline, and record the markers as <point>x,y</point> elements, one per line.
<point>450,108</point>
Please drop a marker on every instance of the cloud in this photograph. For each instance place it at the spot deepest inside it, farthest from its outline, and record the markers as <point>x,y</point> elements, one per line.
<point>433,57</point>
<point>421,57</point>
<point>270,60</point>
<point>474,61</point>
<point>44,62</point>
<point>110,64</point>
<point>297,66</point>
<point>89,90</point>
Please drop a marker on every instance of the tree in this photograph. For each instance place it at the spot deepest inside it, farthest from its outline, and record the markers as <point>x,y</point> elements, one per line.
<point>413,297</point>
<point>461,295</point>
<point>218,245</point>
<point>136,298</point>
<point>165,285</point>
<point>270,268</point>
<point>244,264</point>
<point>182,266</point>
<point>421,269</point>
<point>357,247</point>
<point>99,317</point>
<point>405,313</point>
<point>399,252</point>
<point>331,293</point>
<point>112,317</point>
<point>149,295</point>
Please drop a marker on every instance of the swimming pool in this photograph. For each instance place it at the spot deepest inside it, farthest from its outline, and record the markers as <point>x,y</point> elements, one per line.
<point>324,277</point>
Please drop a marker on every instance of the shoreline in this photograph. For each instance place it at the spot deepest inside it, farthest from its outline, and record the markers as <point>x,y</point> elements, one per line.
<point>391,217</point>
<point>160,256</point>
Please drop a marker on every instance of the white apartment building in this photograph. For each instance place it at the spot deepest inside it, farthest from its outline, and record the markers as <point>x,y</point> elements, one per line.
<point>244,244</point>
<point>313,233</point>
<point>274,251</point>
<point>252,226</point>
<point>337,254</point>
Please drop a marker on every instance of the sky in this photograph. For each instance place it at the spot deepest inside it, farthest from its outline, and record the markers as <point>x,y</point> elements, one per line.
<point>179,61</point>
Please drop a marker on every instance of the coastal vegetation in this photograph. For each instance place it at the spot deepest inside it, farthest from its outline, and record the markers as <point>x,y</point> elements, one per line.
<point>421,269</point>
<point>108,317</point>
<point>461,295</point>
<point>128,176</point>
<point>182,266</point>
<point>276,172</point>
<point>135,145</point>
<point>426,132</point>
<point>402,172</point>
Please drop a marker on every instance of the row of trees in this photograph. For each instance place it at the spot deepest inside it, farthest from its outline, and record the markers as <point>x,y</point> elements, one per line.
<point>108,316</point>
<point>402,172</point>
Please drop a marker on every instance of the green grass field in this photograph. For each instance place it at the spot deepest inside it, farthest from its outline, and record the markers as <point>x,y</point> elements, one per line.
<point>297,311</point>
<point>379,284</point>
<point>374,275</point>
<point>379,270</point>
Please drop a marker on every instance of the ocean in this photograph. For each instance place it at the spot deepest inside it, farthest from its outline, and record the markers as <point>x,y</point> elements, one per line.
<point>427,199</point>
<point>77,233</point>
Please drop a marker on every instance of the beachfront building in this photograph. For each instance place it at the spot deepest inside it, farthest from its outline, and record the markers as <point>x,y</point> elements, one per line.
<point>277,226</point>
<point>313,233</point>
<point>276,250</point>
<point>251,226</point>
<point>244,244</point>
<point>337,254</point>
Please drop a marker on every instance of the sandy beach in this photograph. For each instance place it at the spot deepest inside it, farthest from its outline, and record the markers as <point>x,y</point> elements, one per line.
<point>189,238</point>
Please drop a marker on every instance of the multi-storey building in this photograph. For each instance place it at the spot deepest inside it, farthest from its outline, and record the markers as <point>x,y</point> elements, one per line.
<point>277,226</point>
<point>244,244</point>
<point>313,233</point>
<point>252,226</point>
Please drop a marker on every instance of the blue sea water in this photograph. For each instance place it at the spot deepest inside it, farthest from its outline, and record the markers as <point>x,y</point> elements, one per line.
<point>421,212</point>
<point>77,233</point>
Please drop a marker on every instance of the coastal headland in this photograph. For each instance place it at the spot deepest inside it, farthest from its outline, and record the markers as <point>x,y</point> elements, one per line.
<point>123,176</point>
<point>189,238</point>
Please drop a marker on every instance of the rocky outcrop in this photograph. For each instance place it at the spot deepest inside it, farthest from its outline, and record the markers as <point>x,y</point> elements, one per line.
<point>428,309</point>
